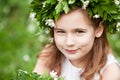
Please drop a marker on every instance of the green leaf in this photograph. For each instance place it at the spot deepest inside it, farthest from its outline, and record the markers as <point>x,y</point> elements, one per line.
<point>51,1</point>
<point>71,1</point>
<point>105,16</point>
<point>116,17</point>
<point>65,6</point>
<point>23,75</point>
<point>58,8</point>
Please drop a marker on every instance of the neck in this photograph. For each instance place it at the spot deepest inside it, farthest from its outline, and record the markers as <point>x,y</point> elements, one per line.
<point>77,63</point>
<point>82,62</point>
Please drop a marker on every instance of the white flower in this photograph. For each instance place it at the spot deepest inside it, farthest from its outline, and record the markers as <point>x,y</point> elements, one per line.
<point>96,16</point>
<point>118,26</point>
<point>50,23</point>
<point>117,2</point>
<point>85,3</point>
<point>32,16</point>
<point>44,4</point>
<point>20,70</point>
<point>54,75</point>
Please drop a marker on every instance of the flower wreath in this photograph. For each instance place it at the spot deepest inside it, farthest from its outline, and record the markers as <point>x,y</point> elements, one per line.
<point>46,11</point>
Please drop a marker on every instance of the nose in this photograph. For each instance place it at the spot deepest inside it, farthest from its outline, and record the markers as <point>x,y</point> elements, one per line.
<point>70,40</point>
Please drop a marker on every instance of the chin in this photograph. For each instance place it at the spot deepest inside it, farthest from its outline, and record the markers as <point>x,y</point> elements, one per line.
<point>73,57</point>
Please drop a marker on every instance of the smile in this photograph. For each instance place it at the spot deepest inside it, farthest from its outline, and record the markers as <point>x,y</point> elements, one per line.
<point>71,51</point>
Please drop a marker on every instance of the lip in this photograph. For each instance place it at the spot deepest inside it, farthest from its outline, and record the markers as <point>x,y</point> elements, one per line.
<point>71,51</point>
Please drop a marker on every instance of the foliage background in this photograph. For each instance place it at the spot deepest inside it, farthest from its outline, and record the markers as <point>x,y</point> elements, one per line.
<point>21,39</point>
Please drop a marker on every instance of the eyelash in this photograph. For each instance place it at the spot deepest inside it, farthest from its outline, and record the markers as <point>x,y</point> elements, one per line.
<point>79,31</point>
<point>63,32</point>
<point>60,31</point>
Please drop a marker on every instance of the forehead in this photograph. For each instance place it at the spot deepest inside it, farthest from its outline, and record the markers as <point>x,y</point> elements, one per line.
<point>75,18</point>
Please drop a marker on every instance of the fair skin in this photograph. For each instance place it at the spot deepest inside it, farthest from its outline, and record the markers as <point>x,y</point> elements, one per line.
<point>74,37</point>
<point>77,34</point>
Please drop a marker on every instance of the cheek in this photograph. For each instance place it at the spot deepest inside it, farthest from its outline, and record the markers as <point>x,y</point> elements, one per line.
<point>86,42</point>
<point>58,41</point>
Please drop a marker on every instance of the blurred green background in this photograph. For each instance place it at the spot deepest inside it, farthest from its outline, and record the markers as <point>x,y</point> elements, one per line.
<point>21,39</point>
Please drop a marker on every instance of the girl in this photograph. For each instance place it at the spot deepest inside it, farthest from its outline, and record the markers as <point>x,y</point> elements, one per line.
<point>80,49</point>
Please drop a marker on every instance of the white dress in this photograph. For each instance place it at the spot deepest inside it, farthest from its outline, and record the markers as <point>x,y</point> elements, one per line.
<point>70,72</point>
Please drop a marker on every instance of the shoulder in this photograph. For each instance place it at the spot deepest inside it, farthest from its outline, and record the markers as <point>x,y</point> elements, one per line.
<point>112,72</point>
<point>44,60</point>
<point>40,67</point>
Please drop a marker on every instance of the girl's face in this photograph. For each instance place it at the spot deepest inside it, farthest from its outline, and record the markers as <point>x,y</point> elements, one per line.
<point>74,35</point>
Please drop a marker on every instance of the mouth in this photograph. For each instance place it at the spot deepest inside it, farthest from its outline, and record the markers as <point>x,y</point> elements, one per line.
<point>71,51</point>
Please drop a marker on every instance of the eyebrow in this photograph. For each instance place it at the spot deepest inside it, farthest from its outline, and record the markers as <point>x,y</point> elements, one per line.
<point>58,29</point>
<point>73,29</point>
<point>80,29</point>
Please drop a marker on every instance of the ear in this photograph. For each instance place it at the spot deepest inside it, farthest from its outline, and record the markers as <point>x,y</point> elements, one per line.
<point>99,30</point>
